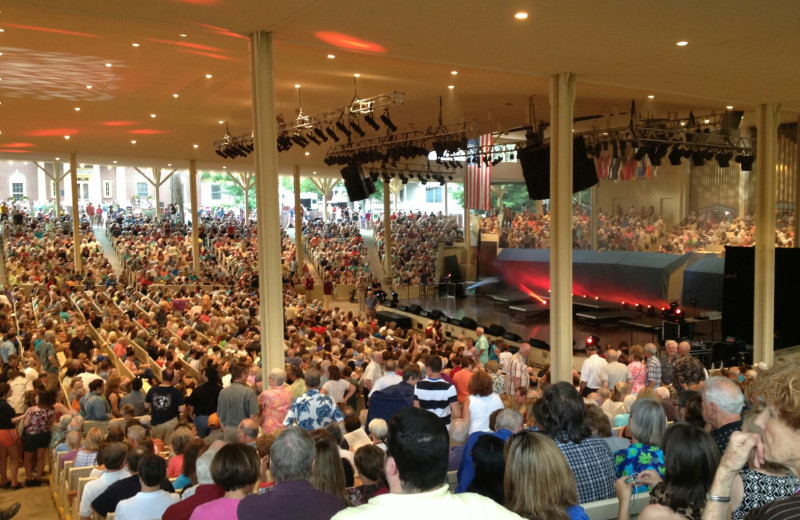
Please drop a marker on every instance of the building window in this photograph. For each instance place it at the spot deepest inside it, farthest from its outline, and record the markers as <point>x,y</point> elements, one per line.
<point>142,190</point>
<point>106,189</point>
<point>17,190</point>
<point>216,192</point>
<point>433,195</point>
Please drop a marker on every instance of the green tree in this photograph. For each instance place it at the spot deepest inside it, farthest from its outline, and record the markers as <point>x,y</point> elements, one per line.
<point>306,185</point>
<point>230,187</point>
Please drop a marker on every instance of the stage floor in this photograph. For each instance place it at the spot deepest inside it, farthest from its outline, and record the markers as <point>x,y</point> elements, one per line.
<point>483,310</point>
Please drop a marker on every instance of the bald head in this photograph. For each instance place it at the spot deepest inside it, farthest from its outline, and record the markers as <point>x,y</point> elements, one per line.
<point>611,355</point>
<point>684,348</point>
<point>248,431</point>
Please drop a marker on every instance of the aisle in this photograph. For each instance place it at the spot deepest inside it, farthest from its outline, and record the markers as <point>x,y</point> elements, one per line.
<point>108,250</point>
<point>375,264</point>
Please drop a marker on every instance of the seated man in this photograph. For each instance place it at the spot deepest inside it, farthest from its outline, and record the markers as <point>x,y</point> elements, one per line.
<point>151,501</point>
<point>416,467</point>
<point>507,423</point>
<point>114,456</point>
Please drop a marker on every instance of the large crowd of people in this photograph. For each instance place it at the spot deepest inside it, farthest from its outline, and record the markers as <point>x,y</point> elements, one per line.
<point>636,230</point>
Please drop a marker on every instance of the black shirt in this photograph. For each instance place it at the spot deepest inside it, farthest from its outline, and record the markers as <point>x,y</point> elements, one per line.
<point>164,402</point>
<point>723,434</point>
<point>78,346</point>
<point>106,502</point>
<point>204,399</point>
<point>6,414</point>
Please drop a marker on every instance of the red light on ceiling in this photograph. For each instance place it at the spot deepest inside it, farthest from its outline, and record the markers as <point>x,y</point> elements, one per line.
<point>118,123</point>
<point>49,30</point>
<point>18,145</point>
<point>221,30</point>
<point>210,55</point>
<point>147,131</point>
<point>188,45</point>
<point>199,2</point>
<point>346,41</point>
<point>4,150</point>
<point>51,132</point>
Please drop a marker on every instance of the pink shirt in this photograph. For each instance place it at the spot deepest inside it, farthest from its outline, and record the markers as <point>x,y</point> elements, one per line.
<point>274,403</point>
<point>216,509</point>
<point>175,466</point>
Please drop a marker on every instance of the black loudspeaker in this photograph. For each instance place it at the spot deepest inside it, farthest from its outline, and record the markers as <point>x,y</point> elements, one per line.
<point>495,330</point>
<point>424,313</point>
<point>403,308</point>
<point>468,323</point>
<point>510,336</point>
<point>435,314</point>
<point>415,309</point>
<point>538,343</point>
<point>355,183</point>
<point>535,163</point>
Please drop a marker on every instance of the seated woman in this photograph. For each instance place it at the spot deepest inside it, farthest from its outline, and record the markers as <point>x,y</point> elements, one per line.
<point>647,424</point>
<point>236,468</point>
<point>691,458</point>
<point>369,462</point>
<point>538,482</point>
<point>490,465</point>
<point>87,456</point>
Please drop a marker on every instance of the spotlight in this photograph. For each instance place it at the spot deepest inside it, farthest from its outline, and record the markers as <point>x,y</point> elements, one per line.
<point>299,140</point>
<point>592,341</point>
<point>449,177</point>
<point>698,158</point>
<point>311,137</point>
<point>371,122</point>
<point>354,125</point>
<point>746,161</point>
<point>342,128</point>
<point>724,159</point>
<point>321,134</point>
<point>497,160</point>
<point>675,156</point>
<point>221,153</point>
<point>388,122</point>
<point>640,153</point>
<point>332,134</point>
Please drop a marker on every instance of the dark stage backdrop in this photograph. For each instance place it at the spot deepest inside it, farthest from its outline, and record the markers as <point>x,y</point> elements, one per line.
<point>738,294</point>
<point>704,280</point>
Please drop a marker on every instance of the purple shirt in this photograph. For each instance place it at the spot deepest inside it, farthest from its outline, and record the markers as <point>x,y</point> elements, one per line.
<point>296,500</point>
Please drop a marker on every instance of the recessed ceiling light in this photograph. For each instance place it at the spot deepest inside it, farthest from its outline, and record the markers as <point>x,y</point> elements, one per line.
<point>134,44</point>
<point>314,173</point>
<point>83,165</point>
<point>356,75</point>
<point>58,158</point>
<point>153,116</point>
<point>454,72</point>
<point>89,87</point>
<point>308,153</point>
<point>682,43</point>
<point>133,141</point>
<point>115,162</point>
<point>706,121</point>
<point>209,76</point>
<point>108,65</point>
<point>331,56</point>
<point>169,164</point>
<point>221,122</point>
<point>729,107</point>
<point>182,35</point>
<point>77,109</point>
<point>451,87</point>
<point>66,137</point>
<point>521,15</point>
<point>297,85</point>
<point>196,146</point>
<point>2,30</point>
<point>651,96</point>
<point>175,95</point>
<point>224,167</point>
<point>1,53</point>
<point>683,123</point>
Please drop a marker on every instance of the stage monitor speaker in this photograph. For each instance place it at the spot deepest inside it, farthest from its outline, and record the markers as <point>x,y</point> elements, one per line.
<point>468,323</point>
<point>403,307</point>
<point>538,343</point>
<point>415,309</point>
<point>435,314</point>
<point>355,183</point>
<point>385,317</point>
<point>495,330</point>
<point>535,163</point>
<point>510,336</point>
<point>425,313</point>
<point>452,268</point>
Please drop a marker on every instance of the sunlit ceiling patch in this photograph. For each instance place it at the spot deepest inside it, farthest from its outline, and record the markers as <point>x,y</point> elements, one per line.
<point>22,75</point>
<point>50,30</point>
<point>50,132</point>
<point>118,123</point>
<point>147,131</point>
<point>348,42</point>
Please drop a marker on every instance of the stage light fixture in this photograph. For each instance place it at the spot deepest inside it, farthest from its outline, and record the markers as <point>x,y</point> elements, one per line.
<point>640,153</point>
<point>355,126</point>
<point>342,128</point>
<point>332,134</point>
<point>321,134</point>
<point>497,160</point>
<point>698,158</point>
<point>221,154</point>
<point>371,122</point>
<point>675,156</point>
<point>746,161</point>
<point>450,177</point>
<point>311,137</point>
<point>388,122</point>
<point>724,159</point>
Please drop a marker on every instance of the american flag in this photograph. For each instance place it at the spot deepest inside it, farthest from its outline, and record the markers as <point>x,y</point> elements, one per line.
<point>479,176</point>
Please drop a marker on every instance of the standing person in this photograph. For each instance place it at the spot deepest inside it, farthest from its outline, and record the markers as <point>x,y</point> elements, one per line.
<point>723,401</point>
<point>372,373</point>
<point>592,370</point>
<point>313,410</point>
<point>637,368</point>
<point>46,351</point>
<point>341,390</point>
<point>203,401</point>
<point>481,402</point>
<point>37,420</point>
<point>653,376</point>
<point>361,293</point>
<point>327,292</point>
<point>236,469</point>
<point>481,347</point>
<point>9,441</point>
<point>436,395</point>
<point>668,362</point>
<point>274,402</point>
<point>166,403</point>
<point>81,344</point>
<point>237,402</point>
<point>517,373</point>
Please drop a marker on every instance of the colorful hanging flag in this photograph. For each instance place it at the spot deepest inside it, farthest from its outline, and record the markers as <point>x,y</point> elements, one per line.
<point>479,176</point>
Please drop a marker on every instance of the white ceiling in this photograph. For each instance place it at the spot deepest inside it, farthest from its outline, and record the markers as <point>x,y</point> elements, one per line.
<point>740,53</point>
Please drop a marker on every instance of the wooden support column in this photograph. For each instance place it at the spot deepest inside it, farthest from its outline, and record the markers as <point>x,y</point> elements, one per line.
<point>325,187</point>
<point>387,235</point>
<point>57,176</point>
<point>157,181</point>
<point>76,217</point>
<point>396,186</point>
<point>796,227</point>
<point>195,218</point>
<point>270,289</point>
<point>767,119</point>
<point>467,230</point>
<point>298,219</point>
<point>246,181</point>
<point>594,218</point>
<point>562,100</point>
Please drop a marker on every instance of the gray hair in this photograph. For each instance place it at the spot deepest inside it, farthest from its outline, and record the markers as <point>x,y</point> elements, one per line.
<point>292,454</point>
<point>136,433</point>
<point>203,467</point>
<point>459,430</point>
<point>725,394</point>
<point>312,377</point>
<point>378,428</point>
<point>651,349</point>
<point>647,422</point>
<point>611,355</point>
<point>49,335</point>
<point>508,419</point>
<point>278,375</point>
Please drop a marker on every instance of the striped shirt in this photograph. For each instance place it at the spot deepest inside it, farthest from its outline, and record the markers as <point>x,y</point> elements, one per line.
<point>436,395</point>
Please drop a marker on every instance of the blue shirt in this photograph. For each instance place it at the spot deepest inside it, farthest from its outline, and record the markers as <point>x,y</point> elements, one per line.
<point>466,470</point>
<point>313,410</point>
<point>637,458</point>
<point>6,349</point>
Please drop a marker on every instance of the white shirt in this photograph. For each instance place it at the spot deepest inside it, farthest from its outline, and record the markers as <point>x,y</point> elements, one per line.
<point>592,370</point>
<point>373,372</point>
<point>336,389</point>
<point>385,381</point>
<point>504,357</point>
<point>145,506</point>
<point>480,408</point>
<point>93,488</point>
